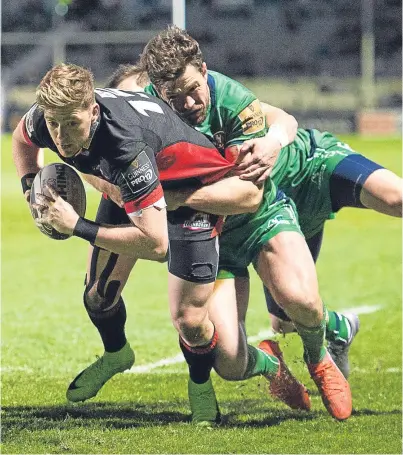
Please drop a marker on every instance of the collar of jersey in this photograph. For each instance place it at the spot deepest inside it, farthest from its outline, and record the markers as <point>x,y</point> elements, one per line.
<point>212,104</point>
<point>211,86</point>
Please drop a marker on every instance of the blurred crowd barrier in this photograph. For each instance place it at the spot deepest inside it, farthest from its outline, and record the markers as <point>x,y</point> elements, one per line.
<point>339,113</point>
<point>301,55</point>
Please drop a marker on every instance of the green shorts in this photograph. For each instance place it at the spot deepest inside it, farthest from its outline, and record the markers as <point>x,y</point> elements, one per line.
<point>244,235</point>
<point>310,189</point>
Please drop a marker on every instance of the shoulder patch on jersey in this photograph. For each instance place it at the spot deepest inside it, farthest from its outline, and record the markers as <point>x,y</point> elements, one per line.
<point>252,118</point>
<point>140,174</point>
<point>29,120</point>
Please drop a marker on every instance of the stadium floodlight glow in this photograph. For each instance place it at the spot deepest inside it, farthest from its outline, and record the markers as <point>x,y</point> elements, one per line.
<point>61,9</point>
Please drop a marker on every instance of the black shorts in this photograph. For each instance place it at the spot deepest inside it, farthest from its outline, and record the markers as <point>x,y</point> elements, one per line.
<point>110,213</point>
<point>193,244</point>
<point>194,261</point>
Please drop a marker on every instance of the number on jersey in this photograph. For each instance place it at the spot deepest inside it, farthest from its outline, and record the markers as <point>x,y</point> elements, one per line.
<point>141,106</point>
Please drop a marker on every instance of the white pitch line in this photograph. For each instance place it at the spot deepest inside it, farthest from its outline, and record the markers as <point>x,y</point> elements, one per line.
<point>139,369</point>
<point>161,363</point>
<point>366,309</point>
<point>365,371</point>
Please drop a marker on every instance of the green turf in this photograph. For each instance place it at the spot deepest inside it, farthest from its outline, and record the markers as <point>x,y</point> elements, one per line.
<point>47,339</point>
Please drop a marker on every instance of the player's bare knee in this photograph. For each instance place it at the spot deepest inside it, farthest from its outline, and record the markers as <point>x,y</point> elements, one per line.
<point>160,251</point>
<point>190,322</point>
<point>93,301</point>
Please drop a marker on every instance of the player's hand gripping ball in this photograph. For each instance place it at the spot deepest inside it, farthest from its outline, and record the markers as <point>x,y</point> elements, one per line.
<point>68,184</point>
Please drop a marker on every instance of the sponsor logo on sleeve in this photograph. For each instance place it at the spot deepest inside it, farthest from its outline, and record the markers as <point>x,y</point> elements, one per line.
<point>140,174</point>
<point>252,118</point>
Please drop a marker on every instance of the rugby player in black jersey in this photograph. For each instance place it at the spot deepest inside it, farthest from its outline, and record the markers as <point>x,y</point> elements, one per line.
<point>133,141</point>
<point>231,200</point>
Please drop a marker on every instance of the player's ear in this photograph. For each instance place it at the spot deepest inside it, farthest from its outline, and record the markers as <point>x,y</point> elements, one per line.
<point>204,70</point>
<point>95,111</point>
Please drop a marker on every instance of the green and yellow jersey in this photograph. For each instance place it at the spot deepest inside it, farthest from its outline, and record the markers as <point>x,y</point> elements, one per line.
<point>234,116</point>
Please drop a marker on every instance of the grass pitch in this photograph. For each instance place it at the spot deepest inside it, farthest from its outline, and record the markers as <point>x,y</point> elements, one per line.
<point>47,339</point>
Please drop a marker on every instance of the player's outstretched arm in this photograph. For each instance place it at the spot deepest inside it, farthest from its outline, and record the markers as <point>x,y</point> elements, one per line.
<point>230,196</point>
<point>27,157</point>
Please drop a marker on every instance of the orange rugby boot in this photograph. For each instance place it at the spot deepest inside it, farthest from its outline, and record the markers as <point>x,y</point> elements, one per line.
<point>333,387</point>
<point>284,386</point>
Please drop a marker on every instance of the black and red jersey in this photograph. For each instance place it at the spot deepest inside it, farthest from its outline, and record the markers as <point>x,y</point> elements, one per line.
<point>138,143</point>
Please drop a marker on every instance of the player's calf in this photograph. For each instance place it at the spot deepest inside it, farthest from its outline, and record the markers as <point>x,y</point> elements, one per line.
<point>108,314</point>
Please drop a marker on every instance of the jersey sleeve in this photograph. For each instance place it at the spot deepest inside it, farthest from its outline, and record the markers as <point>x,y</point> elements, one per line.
<point>34,128</point>
<point>139,181</point>
<point>240,110</point>
<point>246,122</point>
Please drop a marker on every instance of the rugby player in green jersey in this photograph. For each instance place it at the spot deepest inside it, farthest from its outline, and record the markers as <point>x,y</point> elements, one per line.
<point>216,105</point>
<point>323,175</point>
<point>126,78</point>
<point>224,285</point>
<point>327,192</point>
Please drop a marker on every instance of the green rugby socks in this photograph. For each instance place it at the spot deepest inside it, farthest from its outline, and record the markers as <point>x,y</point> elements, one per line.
<point>260,362</point>
<point>313,341</point>
<point>337,327</point>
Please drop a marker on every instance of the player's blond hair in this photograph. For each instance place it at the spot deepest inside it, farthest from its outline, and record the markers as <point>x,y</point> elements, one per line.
<point>66,86</point>
<point>166,56</point>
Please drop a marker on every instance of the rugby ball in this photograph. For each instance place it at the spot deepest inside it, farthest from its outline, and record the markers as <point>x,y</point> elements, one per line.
<point>66,181</point>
